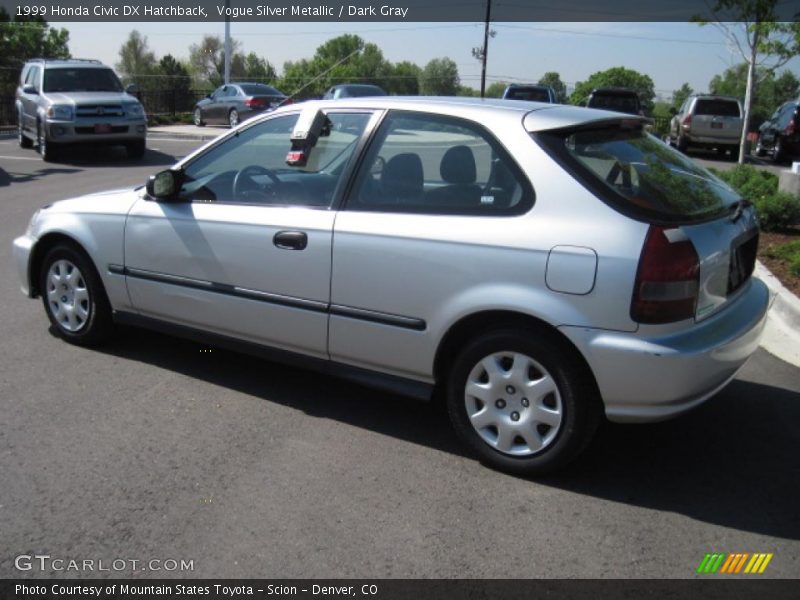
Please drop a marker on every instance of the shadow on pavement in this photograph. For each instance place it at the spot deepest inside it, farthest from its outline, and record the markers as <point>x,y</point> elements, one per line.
<point>116,156</point>
<point>7,178</point>
<point>734,462</point>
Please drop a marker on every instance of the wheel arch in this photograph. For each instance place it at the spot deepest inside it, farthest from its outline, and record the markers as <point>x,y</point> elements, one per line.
<point>479,323</point>
<point>40,250</point>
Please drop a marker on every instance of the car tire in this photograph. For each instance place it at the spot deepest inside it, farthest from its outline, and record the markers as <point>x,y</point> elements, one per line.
<point>517,431</point>
<point>48,152</point>
<point>73,296</point>
<point>136,149</point>
<point>198,118</point>
<point>233,118</point>
<point>682,144</point>
<point>759,150</point>
<point>778,151</point>
<point>24,140</point>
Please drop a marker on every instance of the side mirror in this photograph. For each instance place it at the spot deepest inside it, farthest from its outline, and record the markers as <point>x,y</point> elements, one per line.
<point>132,89</point>
<point>673,111</point>
<point>164,185</point>
<point>29,88</point>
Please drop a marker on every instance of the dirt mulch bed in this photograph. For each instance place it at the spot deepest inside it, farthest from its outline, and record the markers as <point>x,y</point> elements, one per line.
<point>779,268</point>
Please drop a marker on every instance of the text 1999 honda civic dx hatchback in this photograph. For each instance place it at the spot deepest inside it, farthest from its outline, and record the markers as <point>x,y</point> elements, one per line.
<point>539,265</point>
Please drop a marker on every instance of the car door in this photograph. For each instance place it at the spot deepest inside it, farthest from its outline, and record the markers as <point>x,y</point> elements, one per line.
<point>401,254</point>
<point>245,252</point>
<point>214,108</point>
<point>30,102</point>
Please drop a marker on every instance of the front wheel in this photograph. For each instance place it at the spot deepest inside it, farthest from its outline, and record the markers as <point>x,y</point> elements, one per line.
<point>523,402</point>
<point>759,151</point>
<point>73,296</point>
<point>777,151</point>
<point>198,118</point>
<point>48,151</point>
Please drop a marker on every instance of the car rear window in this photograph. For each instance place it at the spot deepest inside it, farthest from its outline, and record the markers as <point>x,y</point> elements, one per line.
<point>720,108</point>
<point>617,102</point>
<point>640,175</point>
<point>534,94</point>
<point>257,89</point>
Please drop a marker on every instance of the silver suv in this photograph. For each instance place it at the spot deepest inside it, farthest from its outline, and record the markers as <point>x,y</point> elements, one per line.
<point>76,101</point>
<point>539,265</point>
<point>706,121</point>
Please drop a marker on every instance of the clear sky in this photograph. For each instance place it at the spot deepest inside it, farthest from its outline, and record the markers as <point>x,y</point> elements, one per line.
<point>671,53</point>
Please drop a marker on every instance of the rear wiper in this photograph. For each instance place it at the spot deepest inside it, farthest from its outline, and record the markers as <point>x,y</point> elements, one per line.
<point>737,209</point>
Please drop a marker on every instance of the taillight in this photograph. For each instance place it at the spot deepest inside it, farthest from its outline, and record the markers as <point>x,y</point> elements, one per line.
<point>668,278</point>
<point>255,102</point>
<point>687,121</point>
<point>789,128</point>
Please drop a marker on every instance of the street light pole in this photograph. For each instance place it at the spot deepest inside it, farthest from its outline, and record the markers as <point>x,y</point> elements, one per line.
<point>227,42</point>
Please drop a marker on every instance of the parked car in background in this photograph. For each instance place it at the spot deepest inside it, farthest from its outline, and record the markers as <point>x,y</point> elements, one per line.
<point>780,135</point>
<point>540,268</point>
<point>708,121</point>
<point>236,102</point>
<point>616,99</point>
<point>76,101</point>
<point>353,90</point>
<point>534,93</point>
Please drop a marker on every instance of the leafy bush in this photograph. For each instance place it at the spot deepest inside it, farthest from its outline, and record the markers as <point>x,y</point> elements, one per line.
<point>790,253</point>
<point>780,210</point>
<point>776,210</point>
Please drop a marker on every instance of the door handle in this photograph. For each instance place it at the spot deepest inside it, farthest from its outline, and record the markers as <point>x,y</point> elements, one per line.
<point>290,240</point>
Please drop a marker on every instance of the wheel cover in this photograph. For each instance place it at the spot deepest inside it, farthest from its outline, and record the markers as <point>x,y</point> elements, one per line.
<point>198,116</point>
<point>234,118</point>
<point>67,296</point>
<point>513,403</point>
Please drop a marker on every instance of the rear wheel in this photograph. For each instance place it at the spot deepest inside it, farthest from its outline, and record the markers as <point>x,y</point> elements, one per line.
<point>198,118</point>
<point>233,118</point>
<point>24,141</point>
<point>522,401</point>
<point>682,144</point>
<point>73,296</point>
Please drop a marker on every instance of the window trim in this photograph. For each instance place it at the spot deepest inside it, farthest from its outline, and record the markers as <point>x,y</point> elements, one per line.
<point>378,137</point>
<point>345,180</point>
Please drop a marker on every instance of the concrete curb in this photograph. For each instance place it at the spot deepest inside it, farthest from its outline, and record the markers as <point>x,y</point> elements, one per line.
<point>155,132</point>
<point>781,336</point>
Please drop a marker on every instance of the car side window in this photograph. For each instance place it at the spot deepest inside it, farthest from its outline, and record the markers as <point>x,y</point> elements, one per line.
<point>33,77</point>
<point>434,164</point>
<point>250,167</point>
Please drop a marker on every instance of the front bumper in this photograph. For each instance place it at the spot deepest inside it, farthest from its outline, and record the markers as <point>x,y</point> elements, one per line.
<point>83,132</point>
<point>644,379</point>
<point>23,246</point>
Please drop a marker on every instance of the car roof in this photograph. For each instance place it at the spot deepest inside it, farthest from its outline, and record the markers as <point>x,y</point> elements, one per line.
<point>68,63</point>
<point>714,97</point>
<point>615,90</point>
<point>534,116</point>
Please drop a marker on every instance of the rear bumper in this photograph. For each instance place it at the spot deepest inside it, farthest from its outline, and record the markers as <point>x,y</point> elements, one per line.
<point>23,246</point>
<point>644,379</point>
<point>713,140</point>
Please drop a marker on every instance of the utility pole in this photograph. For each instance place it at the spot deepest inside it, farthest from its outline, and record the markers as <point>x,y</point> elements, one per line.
<point>485,46</point>
<point>227,42</point>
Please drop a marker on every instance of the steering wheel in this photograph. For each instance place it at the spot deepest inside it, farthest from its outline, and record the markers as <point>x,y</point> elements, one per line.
<point>244,186</point>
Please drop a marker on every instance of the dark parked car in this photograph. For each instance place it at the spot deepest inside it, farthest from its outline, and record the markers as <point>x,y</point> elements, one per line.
<point>534,93</point>
<point>353,90</point>
<point>233,103</point>
<point>617,99</point>
<point>780,135</point>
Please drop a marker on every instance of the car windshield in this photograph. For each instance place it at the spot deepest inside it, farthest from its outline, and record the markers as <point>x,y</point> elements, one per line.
<point>259,89</point>
<point>644,174</point>
<point>617,102</point>
<point>720,108</point>
<point>81,80</point>
<point>361,90</point>
<point>534,94</point>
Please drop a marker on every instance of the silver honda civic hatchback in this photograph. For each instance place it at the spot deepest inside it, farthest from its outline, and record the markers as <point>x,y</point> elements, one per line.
<point>535,267</point>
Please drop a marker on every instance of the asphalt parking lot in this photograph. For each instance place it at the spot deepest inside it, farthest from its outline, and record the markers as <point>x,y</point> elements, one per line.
<point>156,448</point>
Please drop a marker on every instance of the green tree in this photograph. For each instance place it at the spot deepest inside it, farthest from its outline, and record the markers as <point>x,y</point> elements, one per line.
<point>137,63</point>
<point>404,80</point>
<point>680,95</point>
<point>770,91</point>
<point>496,89</point>
<point>753,28</point>
<point>343,59</point>
<point>173,77</point>
<point>439,78</point>
<point>258,69</point>
<point>207,60</point>
<point>553,79</point>
<point>466,91</point>
<point>24,38</point>
<point>617,77</point>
